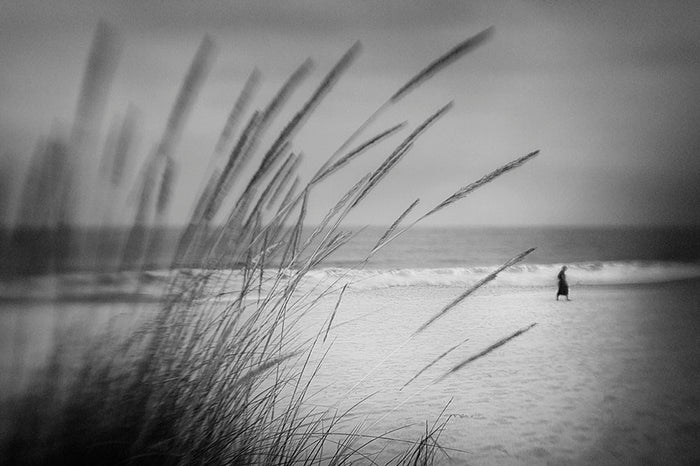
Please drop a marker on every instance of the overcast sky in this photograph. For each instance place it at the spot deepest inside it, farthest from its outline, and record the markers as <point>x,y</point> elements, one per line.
<point>607,90</point>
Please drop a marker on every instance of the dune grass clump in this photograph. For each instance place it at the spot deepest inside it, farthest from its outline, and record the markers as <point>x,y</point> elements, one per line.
<point>219,374</point>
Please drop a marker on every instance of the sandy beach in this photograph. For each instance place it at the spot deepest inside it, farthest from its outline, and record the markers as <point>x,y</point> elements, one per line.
<point>610,377</point>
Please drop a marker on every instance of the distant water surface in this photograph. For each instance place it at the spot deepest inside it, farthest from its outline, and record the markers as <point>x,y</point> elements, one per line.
<point>421,247</point>
<point>438,247</point>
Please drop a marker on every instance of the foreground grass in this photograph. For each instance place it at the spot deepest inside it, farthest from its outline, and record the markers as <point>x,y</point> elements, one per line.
<point>208,380</point>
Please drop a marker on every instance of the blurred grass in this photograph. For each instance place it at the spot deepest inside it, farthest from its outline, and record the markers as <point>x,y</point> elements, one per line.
<point>205,380</point>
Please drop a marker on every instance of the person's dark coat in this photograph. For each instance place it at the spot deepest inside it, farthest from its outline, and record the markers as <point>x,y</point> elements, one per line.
<point>563,285</point>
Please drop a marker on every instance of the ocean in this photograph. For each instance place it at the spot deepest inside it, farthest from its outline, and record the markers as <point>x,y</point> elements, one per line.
<point>451,257</point>
<point>612,376</point>
<point>474,246</point>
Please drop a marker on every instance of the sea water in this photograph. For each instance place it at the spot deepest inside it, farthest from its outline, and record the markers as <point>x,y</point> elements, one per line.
<point>612,376</point>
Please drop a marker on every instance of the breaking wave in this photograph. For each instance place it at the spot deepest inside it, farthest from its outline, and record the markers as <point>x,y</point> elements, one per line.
<point>152,286</point>
<point>521,275</point>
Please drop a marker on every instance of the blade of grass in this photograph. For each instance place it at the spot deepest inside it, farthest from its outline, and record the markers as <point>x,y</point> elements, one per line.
<point>284,182</point>
<point>412,84</point>
<point>237,111</point>
<point>393,227</point>
<point>399,152</point>
<point>462,192</point>
<point>433,362</point>
<point>359,150</point>
<point>183,104</point>
<point>473,288</point>
<point>486,351</point>
<point>320,92</point>
<point>335,309</point>
<point>442,62</point>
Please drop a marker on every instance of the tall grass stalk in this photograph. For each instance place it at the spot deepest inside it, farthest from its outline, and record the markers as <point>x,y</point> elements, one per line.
<point>434,361</point>
<point>412,84</point>
<point>512,261</point>
<point>221,372</point>
<point>486,351</point>
<point>461,193</point>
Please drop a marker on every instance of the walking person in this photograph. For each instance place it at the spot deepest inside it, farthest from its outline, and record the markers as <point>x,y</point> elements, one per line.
<point>563,289</point>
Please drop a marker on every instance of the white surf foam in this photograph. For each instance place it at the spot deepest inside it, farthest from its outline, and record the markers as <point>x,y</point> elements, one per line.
<point>148,286</point>
<point>522,275</point>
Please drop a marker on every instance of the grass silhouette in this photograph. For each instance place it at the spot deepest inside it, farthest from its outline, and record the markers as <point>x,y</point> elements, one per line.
<point>205,380</point>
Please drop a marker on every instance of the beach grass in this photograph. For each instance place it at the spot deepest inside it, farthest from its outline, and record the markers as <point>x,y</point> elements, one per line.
<point>219,374</point>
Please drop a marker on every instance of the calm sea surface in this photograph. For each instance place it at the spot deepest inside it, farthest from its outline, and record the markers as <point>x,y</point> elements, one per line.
<point>463,247</point>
